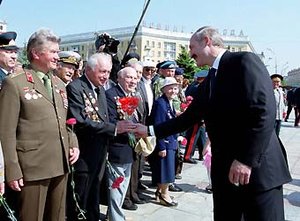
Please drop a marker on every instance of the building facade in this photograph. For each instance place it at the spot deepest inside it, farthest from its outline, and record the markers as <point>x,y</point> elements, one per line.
<point>151,43</point>
<point>293,78</point>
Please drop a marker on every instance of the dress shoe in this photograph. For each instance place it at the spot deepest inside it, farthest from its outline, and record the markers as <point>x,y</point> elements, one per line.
<point>192,161</point>
<point>139,201</point>
<point>166,203</point>
<point>174,188</point>
<point>142,186</point>
<point>131,206</point>
<point>178,177</point>
<point>208,189</point>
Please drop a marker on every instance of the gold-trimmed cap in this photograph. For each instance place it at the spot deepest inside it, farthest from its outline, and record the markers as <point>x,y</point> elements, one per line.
<point>7,40</point>
<point>69,57</point>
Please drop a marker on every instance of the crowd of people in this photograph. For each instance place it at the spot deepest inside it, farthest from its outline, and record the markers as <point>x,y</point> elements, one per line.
<point>69,144</point>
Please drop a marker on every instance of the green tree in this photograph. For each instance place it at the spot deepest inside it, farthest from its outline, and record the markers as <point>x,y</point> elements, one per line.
<point>22,55</point>
<point>185,61</point>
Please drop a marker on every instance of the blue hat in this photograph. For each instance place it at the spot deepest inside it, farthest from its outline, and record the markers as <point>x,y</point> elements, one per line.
<point>7,41</point>
<point>168,65</point>
<point>201,74</point>
<point>179,71</point>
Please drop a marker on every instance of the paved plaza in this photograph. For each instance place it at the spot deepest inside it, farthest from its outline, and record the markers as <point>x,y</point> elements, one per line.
<point>195,204</point>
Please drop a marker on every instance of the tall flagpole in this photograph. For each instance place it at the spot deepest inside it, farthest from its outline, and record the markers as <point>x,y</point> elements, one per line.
<point>136,28</point>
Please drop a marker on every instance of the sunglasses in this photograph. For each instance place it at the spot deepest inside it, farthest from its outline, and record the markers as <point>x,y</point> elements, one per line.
<point>150,69</point>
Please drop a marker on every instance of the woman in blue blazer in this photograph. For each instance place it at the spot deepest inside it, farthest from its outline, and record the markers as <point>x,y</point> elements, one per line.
<point>162,160</point>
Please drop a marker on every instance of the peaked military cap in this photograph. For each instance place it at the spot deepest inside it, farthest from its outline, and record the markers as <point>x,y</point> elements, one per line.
<point>69,57</point>
<point>168,65</point>
<point>7,40</point>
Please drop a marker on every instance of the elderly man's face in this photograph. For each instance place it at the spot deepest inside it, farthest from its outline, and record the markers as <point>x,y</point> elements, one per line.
<point>128,80</point>
<point>148,72</point>
<point>47,57</point>
<point>100,74</point>
<point>167,72</point>
<point>8,59</point>
<point>65,72</point>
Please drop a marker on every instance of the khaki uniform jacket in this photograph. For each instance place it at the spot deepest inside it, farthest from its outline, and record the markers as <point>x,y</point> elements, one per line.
<point>33,130</point>
<point>1,165</point>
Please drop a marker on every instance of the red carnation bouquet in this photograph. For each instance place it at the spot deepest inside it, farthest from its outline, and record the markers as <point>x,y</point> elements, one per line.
<point>126,107</point>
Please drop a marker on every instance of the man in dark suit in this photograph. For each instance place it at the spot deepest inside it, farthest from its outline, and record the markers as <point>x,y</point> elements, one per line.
<point>87,103</point>
<point>8,54</point>
<point>249,164</point>
<point>37,145</point>
<point>120,154</point>
<point>297,106</point>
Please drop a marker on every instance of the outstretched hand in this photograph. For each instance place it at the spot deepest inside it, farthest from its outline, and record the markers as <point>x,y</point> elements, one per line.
<point>125,126</point>
<point>140,130</point>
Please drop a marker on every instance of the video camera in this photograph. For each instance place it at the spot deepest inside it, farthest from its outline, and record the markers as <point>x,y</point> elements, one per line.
<point>111,44</point>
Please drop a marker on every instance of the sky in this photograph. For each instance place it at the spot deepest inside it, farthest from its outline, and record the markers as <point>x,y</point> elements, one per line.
<point>271,25</point>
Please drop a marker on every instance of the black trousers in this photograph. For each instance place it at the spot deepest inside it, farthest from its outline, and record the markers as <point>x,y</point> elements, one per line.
<point>232,203</point>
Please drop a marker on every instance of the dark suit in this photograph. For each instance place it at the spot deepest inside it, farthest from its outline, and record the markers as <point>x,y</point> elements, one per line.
<point>93,131</point>
<point>297,104</point>
<point>239,117</point>
<point>119,149</point>
<point>120,155</point>
<point>36,143</point>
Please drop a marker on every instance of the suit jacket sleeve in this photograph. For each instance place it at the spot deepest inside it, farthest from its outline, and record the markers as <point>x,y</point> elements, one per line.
<point>260,110</point>
<point>192,115</point>
<point>77,110</point>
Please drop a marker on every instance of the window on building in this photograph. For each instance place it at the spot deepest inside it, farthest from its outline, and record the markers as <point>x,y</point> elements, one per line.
<point>153,44</point>
<point>159,44</point>
<point>170,50</point>
<point>147,43</point>
<point>82,47</point>
<point>158,53</point>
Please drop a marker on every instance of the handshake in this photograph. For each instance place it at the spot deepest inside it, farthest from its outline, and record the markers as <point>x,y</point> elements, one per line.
<point>127,126</point>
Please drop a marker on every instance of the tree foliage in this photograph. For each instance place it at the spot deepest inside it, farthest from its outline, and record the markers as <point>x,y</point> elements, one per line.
<point>185,61</point>
<point>22,55</point>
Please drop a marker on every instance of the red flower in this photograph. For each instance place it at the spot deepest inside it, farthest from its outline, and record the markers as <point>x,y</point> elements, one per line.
<point>128,104</point>
<point>117,182</point>
<point>71,121</point>
<point>184,142</point>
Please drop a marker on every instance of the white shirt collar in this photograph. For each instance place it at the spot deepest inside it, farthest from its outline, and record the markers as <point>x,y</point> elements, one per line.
<point>218,58</point>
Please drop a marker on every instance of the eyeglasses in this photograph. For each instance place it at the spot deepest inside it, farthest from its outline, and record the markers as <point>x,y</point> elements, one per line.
<point>150,69</point>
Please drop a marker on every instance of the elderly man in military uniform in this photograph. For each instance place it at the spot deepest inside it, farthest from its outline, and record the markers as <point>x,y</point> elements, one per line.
<point>67,65</point>
<point>37,145</point>
<point>8,54</point>
<point>166,69</point>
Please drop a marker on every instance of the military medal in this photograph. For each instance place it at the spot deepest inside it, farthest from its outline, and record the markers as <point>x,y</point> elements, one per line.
<point>28,96</point>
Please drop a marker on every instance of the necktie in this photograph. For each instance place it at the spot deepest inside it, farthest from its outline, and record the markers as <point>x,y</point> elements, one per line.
<point>212,80</point>
<point>47,84</point>
<point>97,90</point>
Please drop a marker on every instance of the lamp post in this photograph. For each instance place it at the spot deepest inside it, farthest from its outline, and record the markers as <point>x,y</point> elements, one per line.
<point>275,58</point>
<point>284,67</point>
